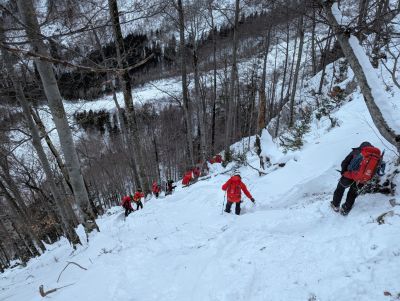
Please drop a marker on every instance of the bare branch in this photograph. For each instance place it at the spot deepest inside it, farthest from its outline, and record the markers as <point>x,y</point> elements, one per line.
<point>70,262</point>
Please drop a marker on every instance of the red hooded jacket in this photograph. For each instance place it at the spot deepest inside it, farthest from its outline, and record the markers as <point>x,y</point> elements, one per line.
<point>137,196</point>
<point>126,202</point>
<point>156,188</point>
<point>234,187</point>
<point>187,178</point>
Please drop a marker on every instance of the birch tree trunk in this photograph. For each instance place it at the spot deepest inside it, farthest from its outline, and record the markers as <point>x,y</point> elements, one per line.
<point>67,225</point>
<point>53,95</point>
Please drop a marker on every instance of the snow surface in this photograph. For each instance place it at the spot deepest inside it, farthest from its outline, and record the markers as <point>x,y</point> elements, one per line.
<point>289,246</point>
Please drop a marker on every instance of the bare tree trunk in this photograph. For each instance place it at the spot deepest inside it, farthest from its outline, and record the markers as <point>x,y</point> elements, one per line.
<point>68,207</point>
<point>296,73</point>
<point>57,110</point>
<point>187,110</point>
<point>68,225</point>
<point>262,114</point>
<point>200,104</point>
<point>362,17</point>
<point>114,93</point>
<point>127,91</point>
<point>59,200</point>
<point>313,52</point>
<point>384,129</point>
<point>273,86</point>
<point>232,94</point>
<point>121,120</point>
<point>280,105</point>
<point>377,27</point>
<point>52,148</point>
<point>323,62</point>
<point>214,94</point>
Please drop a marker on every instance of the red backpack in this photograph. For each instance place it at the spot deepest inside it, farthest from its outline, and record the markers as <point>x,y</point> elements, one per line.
<point>369,164</point>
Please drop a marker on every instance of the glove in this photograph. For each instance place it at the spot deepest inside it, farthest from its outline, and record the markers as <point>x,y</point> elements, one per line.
<point>253,200</point>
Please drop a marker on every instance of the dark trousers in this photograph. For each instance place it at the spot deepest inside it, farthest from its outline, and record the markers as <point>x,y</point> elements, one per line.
<point>351,194</point>
<point>229,205</point>
<point>128,211</point>
<point>139,204</point>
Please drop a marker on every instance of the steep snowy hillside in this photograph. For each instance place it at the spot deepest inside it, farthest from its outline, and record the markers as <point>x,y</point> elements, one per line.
<point>289,246</point>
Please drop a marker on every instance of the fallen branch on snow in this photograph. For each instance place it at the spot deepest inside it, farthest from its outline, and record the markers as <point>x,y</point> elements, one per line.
<point>44,294</point>
<point>70,262</point>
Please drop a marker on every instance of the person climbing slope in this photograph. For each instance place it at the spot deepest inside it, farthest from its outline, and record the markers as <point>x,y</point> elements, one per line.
<point>358,168</point>
<point>156,189</point>
<point>137,198</point>
<point>187,178</point>
<point>169,187</point>
<point>234,187</point>
<point>127,204</point>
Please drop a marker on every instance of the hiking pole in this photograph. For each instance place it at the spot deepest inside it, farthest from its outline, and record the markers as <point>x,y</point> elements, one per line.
<point>223,204</point>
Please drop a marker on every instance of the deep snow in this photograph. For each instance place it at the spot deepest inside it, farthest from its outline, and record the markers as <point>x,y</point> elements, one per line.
<point>289,246</point>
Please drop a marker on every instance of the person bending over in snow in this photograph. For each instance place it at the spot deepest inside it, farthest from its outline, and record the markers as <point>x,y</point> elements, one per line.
<point>127,205</point>
<point>358,168</point>
<point>169,187</point>
<point>234,187</point>
<point>137,198</point>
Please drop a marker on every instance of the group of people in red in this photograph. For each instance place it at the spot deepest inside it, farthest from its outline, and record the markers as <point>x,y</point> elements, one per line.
<point>139,195</point>
<point>193,174</point>
<point>358,168</point>
<point>128,199</point>
<point>190,176</point>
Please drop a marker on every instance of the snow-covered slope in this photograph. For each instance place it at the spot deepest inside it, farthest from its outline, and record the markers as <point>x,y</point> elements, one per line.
<point>289,246</point>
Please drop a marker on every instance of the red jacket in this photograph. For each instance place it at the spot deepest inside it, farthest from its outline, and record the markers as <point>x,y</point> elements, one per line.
<point>216,159</point>
<point>187,178</point>
<point>234,187</point>
<point>126,202</point>
<point>156,188</point>
<point>137,196</point>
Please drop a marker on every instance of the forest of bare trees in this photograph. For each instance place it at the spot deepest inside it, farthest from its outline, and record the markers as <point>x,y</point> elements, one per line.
<point>242,67</point>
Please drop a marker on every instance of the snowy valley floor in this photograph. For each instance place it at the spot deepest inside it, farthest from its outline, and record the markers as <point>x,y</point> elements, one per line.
<point>290,246</point>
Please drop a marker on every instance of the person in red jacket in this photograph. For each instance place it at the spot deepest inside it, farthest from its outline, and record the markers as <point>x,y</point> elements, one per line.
<point>156,189</point>
<point>137,198</point>
<point>127,205</point>
<point>196,172</point>
<point>234,187</point>
<point>187,178</point>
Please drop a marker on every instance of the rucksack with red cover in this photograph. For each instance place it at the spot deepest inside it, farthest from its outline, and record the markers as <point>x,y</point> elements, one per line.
<point>364,166</point>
